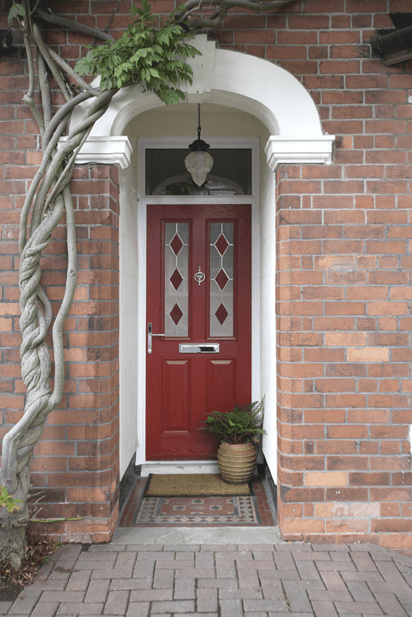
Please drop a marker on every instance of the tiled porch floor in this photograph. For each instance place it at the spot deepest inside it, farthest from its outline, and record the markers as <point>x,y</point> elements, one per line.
<point>201,511</point>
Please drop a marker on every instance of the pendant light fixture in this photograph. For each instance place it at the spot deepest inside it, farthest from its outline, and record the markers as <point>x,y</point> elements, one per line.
<point>199,162</point>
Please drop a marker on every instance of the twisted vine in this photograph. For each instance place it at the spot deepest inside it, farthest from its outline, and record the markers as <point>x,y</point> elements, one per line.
<point>47,201</point>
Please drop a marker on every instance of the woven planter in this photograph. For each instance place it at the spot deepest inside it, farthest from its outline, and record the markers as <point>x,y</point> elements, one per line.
<point>236,462</point>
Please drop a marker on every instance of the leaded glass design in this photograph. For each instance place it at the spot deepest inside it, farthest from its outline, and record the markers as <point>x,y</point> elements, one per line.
<point>176,279</point>
<point>221,279</point>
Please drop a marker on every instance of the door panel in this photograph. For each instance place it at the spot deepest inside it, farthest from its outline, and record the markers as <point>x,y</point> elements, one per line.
<point>198,293</point>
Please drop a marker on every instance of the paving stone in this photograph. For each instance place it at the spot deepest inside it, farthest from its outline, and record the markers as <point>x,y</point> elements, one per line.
<point>24,604</point>
<point>149,548</point>
<point>196,573</point>
<point>335,566</point>
<point>273,590</point>
<point>390,604</point>
<point>62,596</point>
<point>93,564</point>
<point>204,560</point>
<point>372,577</point>
<point>221,548</point>
<point>125,563</point>
<point>363,562</point>
<point>186,555</point>
<point>131,583</point>
<point>151,595</point>
<point>4,607</point>
<point>324,609</point>
<point>69,551</point>
<point>97,591</point>
<point>363,608</point>
<point>333,581</point>
<point>138,609</point>
<point>239,594</point>
<point>297,598</point>
<point>341,548</point>
<point>231,608</point>
<point>116,602</point>
<point>144,569</point>
<point>93,557</point>
<point>63,569</point>
<point>248,579</point>
<point>78,581</point>
<point>49,584</point>
<point>45,609</point>
<point>278,606</point>
<point>306,569</point>
<point>225,569</point>
<point>175,606</point>
<point>360,591</point>
<point>389,572</point>
<point>206,601</point>
<point>184,589</point>
<point>106,548</point>
<point>263,555</point>
<point>256,565</point>
<point>174,565</point>
<point>295,547</point>
<point>284,561</point>
<point>72,608</point>
<point>225,583</point>
<point>163,579</point>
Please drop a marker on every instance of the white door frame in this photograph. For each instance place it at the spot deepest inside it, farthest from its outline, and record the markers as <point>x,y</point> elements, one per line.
<point>142,202</point>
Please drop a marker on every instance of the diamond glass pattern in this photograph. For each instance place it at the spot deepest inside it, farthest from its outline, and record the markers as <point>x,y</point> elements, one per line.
<point>221,279</point>
<point>221,239</point>
<point>221,244</point>
<point>176,244</point>
<point>176,279</point>
<point>221,314</point>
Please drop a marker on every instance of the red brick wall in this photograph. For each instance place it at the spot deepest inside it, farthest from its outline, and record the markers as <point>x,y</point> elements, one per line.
<point>344,298</point>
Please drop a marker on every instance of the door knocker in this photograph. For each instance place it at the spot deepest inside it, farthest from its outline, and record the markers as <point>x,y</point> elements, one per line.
<point>199,276</point>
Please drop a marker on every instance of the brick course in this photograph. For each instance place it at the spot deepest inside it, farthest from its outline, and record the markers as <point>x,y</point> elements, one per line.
<point>344,300</point>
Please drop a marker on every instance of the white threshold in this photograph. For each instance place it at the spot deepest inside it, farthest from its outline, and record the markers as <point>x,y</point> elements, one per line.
<point>175,467</point>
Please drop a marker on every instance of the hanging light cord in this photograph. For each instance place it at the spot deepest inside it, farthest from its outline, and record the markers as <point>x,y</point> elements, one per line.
<point>198,121</point>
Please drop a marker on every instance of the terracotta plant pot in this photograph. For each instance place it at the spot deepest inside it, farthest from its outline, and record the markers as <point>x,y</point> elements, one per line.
<point>236,462</point>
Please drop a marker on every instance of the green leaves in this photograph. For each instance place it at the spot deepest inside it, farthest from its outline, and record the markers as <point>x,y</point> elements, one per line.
<point>148,53</point>
<point>8,501</point>
<point>239,425</point>
<point>17,10</point>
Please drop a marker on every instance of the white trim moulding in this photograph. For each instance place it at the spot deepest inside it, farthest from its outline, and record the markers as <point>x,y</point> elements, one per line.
<point>108,150</point>
<point>315,150</point>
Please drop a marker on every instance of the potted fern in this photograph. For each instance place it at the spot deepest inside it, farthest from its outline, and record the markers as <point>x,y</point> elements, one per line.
<point>238,433</point>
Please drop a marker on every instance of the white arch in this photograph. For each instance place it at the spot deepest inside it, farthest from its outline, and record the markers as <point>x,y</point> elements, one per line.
<point>227,78</point>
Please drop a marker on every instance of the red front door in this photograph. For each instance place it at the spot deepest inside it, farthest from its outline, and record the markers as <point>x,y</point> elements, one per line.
<point>198,296</point>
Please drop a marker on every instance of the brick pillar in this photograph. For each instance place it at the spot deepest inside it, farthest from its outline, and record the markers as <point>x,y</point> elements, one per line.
<point>344,303</point>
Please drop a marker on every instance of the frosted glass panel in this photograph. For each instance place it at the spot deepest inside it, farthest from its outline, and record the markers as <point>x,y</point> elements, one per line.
<point>221,279</point>
<point>176,279</point>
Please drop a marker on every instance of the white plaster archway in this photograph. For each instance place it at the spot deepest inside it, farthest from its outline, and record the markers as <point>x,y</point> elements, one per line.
<point>235,81</point>
<point>231,79</point>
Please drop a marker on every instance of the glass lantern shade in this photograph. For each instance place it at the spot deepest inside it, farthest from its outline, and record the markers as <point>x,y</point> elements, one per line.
<point>199,164</point>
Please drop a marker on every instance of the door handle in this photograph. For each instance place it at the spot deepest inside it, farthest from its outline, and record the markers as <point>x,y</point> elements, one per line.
<point>149,337</point>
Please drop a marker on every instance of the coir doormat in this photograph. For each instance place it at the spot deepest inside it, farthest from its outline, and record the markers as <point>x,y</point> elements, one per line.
<point>164,485</point>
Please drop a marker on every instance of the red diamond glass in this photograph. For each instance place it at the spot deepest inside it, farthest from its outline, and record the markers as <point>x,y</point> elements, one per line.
<point>221,279</point>
<point>221,314</point>
<point>221,244</point>
<point>176,279</point>
<point>176,314</point>
<point>176,244</point>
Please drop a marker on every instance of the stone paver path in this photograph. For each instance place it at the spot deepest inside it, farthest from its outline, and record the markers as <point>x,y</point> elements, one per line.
<point>262,580</point>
